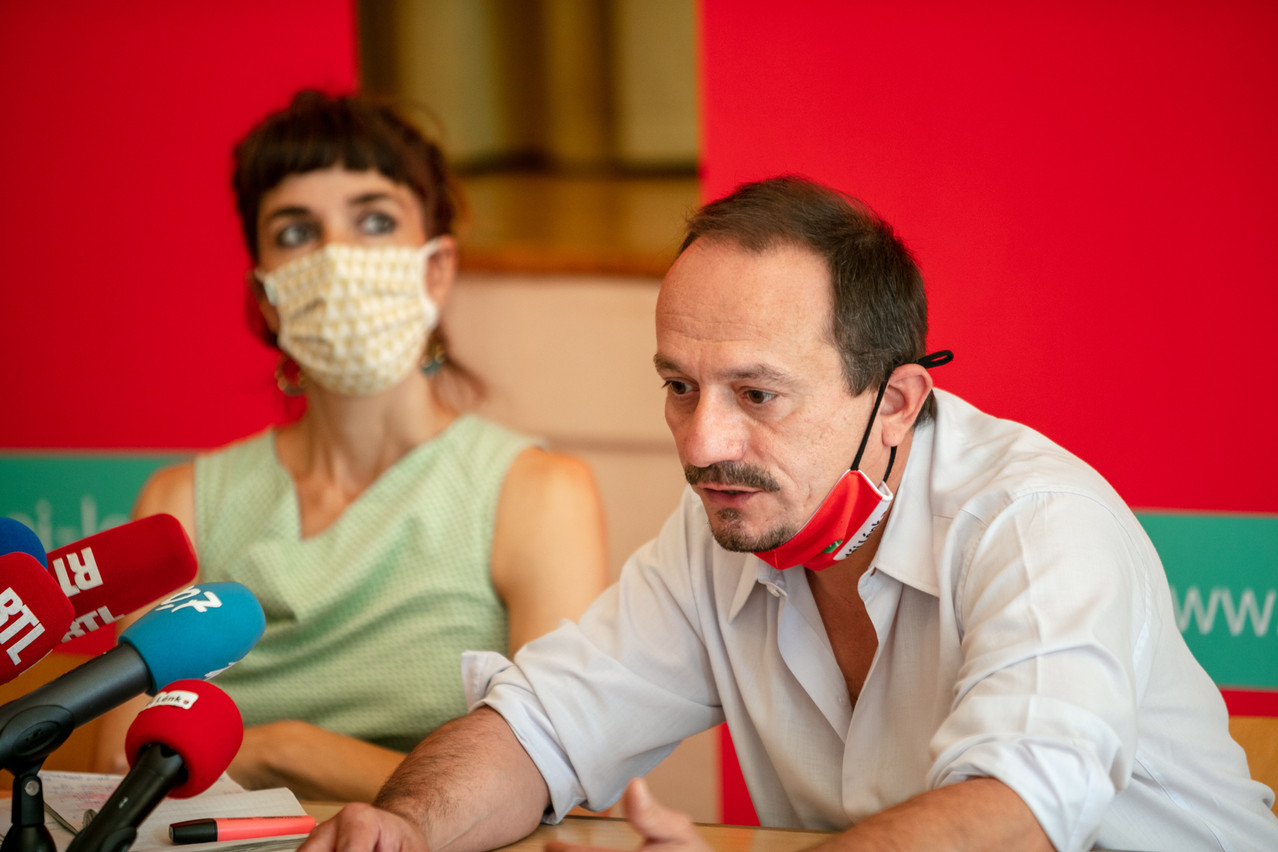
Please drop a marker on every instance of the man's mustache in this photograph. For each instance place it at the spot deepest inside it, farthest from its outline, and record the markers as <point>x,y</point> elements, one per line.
<point>730,473</point>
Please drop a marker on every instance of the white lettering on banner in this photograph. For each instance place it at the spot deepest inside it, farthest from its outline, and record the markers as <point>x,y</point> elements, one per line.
<point>181,698</point>
<point>90,621</point>
<point>53,535</point>
<point>12,605</point>
<point>190,598</point>
<point>79,574</point>
<point>1200,614</point>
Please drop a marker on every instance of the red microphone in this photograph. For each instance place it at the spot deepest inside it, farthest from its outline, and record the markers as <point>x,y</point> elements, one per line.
<point>34,614</point>
<point>112,573</point>
<point>178,746</point>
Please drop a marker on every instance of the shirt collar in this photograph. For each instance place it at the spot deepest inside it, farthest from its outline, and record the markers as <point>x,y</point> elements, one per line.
<point>756,573</point>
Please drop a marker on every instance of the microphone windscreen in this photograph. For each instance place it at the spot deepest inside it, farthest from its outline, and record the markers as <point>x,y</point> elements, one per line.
<point>198,721</point>
<point>17,537</point>
<point>34,614</point>
<point>197,632</point>
<point>124,568</point>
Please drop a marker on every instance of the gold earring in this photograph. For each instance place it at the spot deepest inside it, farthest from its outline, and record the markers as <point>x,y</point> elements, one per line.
<point>289,377</point>
<point>434,357</point>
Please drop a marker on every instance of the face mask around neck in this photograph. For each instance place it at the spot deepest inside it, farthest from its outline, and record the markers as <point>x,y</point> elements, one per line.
<point>844,521</point>
<point>850,513</point>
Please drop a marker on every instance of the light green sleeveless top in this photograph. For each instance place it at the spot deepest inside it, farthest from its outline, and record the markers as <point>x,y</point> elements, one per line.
<point>365,622</point>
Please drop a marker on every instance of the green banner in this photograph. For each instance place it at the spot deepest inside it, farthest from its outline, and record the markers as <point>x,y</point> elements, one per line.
<point>67,496</point>
<point>1223,571</point>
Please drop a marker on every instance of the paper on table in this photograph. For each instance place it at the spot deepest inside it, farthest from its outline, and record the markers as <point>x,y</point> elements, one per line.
<point>71,794</point>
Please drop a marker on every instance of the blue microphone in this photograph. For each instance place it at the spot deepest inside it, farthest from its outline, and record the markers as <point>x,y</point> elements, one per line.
<point>195,634</point>
<point>222,620</point>
<point>17,537</point>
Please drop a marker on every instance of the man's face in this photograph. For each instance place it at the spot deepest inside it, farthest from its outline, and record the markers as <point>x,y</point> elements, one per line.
<point>756,399</point>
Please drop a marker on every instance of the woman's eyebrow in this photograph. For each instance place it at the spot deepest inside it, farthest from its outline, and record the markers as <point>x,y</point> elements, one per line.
<point>292,210</point>
<point>368,197</point>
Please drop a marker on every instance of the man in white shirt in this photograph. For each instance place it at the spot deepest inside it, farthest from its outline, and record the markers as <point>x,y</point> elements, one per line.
<point>961,640</point>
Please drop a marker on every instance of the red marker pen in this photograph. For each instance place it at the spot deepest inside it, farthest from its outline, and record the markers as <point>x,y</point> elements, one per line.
<point>238,828</point>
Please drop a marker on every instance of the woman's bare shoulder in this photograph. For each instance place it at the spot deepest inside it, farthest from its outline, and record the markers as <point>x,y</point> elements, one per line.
<point>170,490</point>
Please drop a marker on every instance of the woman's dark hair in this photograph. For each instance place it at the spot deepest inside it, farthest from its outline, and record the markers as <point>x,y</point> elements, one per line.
<point>318,131</point>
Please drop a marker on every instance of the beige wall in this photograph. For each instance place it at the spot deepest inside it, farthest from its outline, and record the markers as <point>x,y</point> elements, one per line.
<point>570,358</point>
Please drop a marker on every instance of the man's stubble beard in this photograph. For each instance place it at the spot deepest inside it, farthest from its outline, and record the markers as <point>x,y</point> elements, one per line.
<point>730,536</point>
<point>726,523</point>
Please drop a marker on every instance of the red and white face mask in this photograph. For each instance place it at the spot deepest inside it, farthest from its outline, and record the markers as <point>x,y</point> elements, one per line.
<point>842,523</point>
<point>850,513</point>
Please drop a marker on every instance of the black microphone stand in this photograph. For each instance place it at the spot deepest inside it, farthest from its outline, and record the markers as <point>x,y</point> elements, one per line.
<point>37,723</point>
<point>28,832</point>
<point>27,736</point>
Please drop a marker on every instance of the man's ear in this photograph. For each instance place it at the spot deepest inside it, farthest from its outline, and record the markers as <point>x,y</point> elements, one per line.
<point>441,270</point>
<point>907,389</point>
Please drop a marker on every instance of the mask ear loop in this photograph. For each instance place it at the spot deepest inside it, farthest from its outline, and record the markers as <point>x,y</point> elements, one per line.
<point>938,358</point>
<point>865,437</point>
<point>927,362</point>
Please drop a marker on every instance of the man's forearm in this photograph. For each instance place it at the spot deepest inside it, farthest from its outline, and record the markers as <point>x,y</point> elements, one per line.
<point>469,785</point>
<point>981,813</point>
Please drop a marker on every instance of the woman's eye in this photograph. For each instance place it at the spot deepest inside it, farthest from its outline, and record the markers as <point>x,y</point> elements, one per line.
<point>758,397</point>
<point>377,223</point>
<point>294,235</point>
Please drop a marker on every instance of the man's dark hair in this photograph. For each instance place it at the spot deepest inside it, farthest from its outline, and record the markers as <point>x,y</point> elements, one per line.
<point>880,308</point>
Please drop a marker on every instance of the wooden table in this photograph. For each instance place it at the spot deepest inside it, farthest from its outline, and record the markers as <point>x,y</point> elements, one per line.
<point>614,833</point>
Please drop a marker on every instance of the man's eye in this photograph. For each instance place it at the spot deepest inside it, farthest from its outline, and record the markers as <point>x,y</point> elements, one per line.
<point>676,387</point>
<point>758,397</point>
<point>294,235</point>
<point>377,223</point>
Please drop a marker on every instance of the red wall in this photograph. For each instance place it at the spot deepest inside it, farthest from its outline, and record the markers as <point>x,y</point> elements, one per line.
<point>120,320</point>
<point>1089,188</point>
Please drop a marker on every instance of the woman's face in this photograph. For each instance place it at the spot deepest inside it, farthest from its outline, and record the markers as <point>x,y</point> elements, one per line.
<point>306,211</point>
<point>309,210</point>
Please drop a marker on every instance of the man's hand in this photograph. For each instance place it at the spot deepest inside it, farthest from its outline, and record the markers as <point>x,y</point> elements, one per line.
<point>364,828</point>
<point>661,828</point>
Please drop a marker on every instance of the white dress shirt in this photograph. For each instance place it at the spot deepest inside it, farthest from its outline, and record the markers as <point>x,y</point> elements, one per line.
<point>1025,633</point>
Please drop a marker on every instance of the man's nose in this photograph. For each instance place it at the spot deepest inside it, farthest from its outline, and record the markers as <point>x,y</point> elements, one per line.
<point>714,432</point>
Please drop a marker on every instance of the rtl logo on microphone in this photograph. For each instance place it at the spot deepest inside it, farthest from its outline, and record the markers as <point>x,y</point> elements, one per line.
<point>76,573</point>
<point>14,616</point>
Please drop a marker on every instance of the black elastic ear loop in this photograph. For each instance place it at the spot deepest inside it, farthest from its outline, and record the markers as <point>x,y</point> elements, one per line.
<point>865,438</point>
<point>933,359</point>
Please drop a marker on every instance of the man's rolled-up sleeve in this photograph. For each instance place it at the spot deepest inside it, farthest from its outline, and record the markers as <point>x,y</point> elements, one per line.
<point>599,702</point>
<point>494,681</point>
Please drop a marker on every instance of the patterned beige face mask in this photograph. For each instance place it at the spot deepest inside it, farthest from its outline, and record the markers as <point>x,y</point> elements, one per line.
<point>354,318</point>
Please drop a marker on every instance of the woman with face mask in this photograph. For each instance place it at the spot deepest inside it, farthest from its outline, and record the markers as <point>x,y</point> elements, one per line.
<point>385,531</point>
